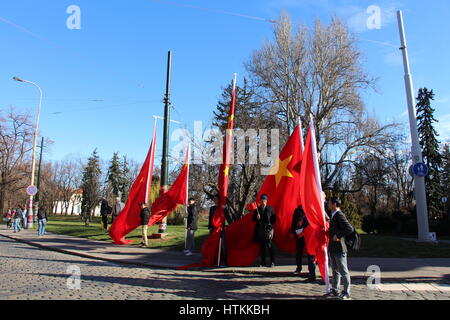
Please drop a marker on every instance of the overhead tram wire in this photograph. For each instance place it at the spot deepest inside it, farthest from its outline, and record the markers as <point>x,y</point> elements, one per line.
<point>103,107</point>
<point>215,11</point>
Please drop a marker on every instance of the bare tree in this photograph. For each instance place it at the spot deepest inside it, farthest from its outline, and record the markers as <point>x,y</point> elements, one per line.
<point>16,134</point>
<point>318,74</point>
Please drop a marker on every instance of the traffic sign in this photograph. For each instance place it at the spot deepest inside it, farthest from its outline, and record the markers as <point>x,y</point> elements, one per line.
<point>421,170</point>
<point>32,191</point>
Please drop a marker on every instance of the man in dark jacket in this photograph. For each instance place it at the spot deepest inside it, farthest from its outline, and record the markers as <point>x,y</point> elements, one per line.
<point>105,211</point>
<point>265,219</point>
<point>42,218</point>
<point>145,218</point>
<point>299,224</point>
<point>191,227</point>
<point>339,229</point>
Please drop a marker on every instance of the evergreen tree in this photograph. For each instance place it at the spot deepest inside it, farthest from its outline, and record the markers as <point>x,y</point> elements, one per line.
<point>430,151</point>
<point>446,178</point>
<point>91,186</point>
<point>125,179</point>
<point>115,174</point>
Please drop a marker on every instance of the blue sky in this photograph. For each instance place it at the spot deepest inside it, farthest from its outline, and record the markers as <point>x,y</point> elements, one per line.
<point>119,56</point>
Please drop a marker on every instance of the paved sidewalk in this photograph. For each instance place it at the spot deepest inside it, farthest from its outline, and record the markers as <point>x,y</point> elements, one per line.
<point>396,274</point>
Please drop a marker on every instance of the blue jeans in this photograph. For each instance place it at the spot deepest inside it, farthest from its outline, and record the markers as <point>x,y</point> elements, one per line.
<point>16,225</point>
<point>41,229</point>
<point>190,240</point>
<point>340,270</point>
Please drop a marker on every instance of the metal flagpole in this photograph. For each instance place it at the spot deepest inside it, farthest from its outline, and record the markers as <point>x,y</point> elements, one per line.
<point>419,182</point>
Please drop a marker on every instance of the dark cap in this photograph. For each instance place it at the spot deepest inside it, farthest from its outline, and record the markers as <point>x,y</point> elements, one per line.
<point>264,197</point>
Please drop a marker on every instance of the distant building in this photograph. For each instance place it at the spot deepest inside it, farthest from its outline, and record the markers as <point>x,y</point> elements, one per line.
<point>73,207</point>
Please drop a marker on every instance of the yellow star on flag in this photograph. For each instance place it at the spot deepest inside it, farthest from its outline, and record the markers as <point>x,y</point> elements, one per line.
<point>142,180</point>
<point>281,170</point>
<point>226,171</point>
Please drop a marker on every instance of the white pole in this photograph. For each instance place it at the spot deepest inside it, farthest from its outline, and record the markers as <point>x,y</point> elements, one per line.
<point>419,182</point>
<point>33,165</point>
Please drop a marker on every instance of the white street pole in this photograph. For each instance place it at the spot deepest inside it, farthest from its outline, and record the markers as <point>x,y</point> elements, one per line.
<point>419,182</point>
<point>33,166</point>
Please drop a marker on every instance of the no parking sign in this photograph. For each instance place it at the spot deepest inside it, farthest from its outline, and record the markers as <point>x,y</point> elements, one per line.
<point>32,191</point>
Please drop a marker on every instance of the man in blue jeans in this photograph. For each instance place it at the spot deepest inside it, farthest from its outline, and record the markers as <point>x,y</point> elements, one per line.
<point>339,229</point>
<point>42,217</point>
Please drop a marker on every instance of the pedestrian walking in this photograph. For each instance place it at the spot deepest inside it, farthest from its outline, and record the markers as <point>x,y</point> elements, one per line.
<point>42,220</point>
<point>145,218</point>
<point>339,229</point>
<point>25,219</point>
<point>191,227</point>
<point>9,218</point>
<point>299,225</point>
<point>265,218</point>
<point>118,207</point>
<point>18,215</point>
<point>105,211</point>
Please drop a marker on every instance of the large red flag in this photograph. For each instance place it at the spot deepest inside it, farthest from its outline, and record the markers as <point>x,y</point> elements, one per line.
<point>313,205</point>
<point>210,249</point>
<point>129,218</point>
<point>219,216</point>
<point>283,189</point>
<point>177,195</point>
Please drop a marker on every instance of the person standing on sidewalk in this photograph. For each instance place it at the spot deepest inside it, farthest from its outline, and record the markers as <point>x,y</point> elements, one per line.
<point>118,207</point>
<point>145,218</point>
<point>299,224</point>
<point>17,217</point>
<point>191,227</point>
<point>105,210</point>
<point>42,219</point>
<point>265,219</point>
<point>9,218</point>
<point>339,229</point>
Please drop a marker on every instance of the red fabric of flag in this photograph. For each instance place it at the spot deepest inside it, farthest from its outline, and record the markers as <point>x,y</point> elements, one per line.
<point>313,204</point>
<point>177,195</point>
<point>129,218</point>
<point>282,186</point>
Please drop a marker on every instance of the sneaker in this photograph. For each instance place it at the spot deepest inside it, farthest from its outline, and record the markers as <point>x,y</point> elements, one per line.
<point>331,294</point>
<point>188,253</point>
<point>185,250</point>
<point>272,265</point>
<point>344,296</point>
<point>297,272</point>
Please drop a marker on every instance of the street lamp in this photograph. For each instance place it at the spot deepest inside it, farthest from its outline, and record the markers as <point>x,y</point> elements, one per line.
<point>30,212</point>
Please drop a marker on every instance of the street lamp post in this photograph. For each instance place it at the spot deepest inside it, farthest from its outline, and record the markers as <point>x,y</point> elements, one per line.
<point>419,182</point>
<point>30,212</point>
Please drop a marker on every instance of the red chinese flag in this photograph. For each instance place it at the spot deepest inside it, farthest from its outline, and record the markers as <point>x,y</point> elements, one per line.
<point>177,195</point>
<point>219,216</point>
<point>283,189</point>
<point>129,218</point>
<point>313,205</point>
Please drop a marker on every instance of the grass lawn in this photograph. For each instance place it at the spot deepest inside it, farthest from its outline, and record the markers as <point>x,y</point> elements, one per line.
<point>73,226</point>
<point>379,246</point>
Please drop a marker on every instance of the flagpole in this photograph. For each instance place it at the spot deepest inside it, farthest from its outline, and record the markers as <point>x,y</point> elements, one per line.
<point>187,195</point>
<point>150,163</point>
<point>302,144</point>
<point>319,188</point>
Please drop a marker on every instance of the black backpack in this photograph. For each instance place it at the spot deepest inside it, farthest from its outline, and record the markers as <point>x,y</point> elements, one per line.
<point>353,241</point>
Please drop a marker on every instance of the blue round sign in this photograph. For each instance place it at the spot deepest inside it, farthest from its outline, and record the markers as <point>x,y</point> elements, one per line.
<point>32,190</point>
<point>421,170</point>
